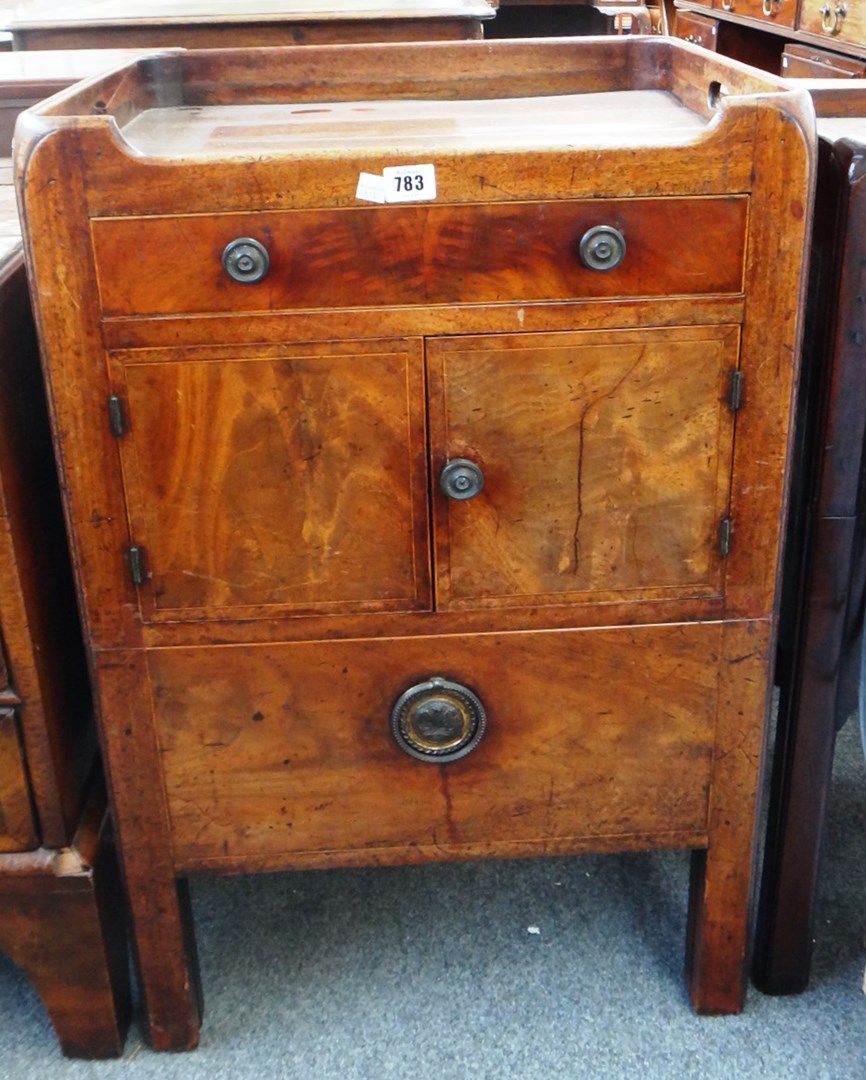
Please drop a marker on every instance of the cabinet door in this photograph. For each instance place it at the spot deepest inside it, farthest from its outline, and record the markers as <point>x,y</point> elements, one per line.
<point>606,462</point>
<point>277,477</point>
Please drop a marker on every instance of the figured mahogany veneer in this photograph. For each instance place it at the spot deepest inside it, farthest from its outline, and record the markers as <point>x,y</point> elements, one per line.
<point>419,255</point>
<point>271,545</point>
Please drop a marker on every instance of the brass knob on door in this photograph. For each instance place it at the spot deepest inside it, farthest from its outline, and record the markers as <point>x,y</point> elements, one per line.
<point>438,720</point>
<point>461,479</point>
<point>602,248</point>
<point>246,260</point>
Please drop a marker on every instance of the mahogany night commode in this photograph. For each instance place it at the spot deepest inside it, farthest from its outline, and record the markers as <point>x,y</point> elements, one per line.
<point>423,416</point>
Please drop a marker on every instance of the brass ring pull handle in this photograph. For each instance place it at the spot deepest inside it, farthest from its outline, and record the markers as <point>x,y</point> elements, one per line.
<point>461,479</point>
<point>438,721</point>
<point>771,8</point>
<point>602,248</point>
<point>833,17</point>
<point>728,5</point>
<point>246,260</point>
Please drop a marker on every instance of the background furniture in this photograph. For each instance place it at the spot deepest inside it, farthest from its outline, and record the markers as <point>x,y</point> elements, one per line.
<point>825,572</point>
<point>433,529</point>
<point>61,909</point>
<point>95,24</point>
<point>62,913</point>
<point>799,38</point>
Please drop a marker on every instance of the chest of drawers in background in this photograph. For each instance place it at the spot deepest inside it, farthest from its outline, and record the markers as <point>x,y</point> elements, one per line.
<point>421,522</point>
<point>798,38</point>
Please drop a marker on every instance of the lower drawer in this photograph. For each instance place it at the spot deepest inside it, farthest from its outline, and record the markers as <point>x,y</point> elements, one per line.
<point>804,62</point>
<point>284,755</point>
<point>698,29</point>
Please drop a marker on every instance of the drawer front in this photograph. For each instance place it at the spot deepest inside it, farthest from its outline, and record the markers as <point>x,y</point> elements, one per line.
<point>835,20</point>
<point>287,752</point>
<point>379,256</point>
<point>698,29</point>
<point>17,825</point>
<point>782,12</point>
<point>804,62</point>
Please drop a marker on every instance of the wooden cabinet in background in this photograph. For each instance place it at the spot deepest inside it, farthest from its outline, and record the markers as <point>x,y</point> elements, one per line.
<point>62,912</point>
<point>798,38</point>
<point>825,574</point>
<point>806,62</point>
<point>442,527</point>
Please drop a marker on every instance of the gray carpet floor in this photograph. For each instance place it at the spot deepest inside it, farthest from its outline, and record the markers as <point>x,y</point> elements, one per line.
<point>533,969</point>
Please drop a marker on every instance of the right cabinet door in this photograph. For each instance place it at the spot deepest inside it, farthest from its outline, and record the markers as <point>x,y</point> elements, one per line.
<point>604,460</point>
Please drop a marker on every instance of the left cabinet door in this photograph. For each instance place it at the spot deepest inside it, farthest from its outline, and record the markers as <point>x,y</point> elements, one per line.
<point>277,477</point>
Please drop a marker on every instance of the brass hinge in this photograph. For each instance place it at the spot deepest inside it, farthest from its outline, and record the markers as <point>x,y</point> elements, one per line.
<point>116,416</point>
<point>137,565</point>
<point>735,390</point>
<point>726,528</point>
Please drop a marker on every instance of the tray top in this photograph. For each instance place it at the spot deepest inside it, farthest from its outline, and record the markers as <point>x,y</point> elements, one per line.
<point>408,102</point>
<point>185,12</point>
<point>617,118</point>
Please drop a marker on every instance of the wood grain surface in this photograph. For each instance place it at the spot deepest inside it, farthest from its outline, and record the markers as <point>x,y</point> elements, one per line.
<point>243,736</point>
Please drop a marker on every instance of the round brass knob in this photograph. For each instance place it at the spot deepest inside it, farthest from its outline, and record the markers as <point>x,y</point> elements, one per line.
<point>438,720</point>
<point>602,248</point>
<point>246,260</point>
<point>461,479</point>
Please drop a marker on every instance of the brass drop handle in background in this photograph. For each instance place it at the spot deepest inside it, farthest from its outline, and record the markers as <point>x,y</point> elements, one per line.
<point>771,8</point>
<point>438,720</point>
<point>832,17</point>
<point>602,248</point>
<point>728,5</point>
<point>461,479</point>
<point>246,260</point>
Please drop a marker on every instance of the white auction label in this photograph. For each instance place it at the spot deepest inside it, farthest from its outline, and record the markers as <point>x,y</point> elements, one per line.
<point>410,183</point>
<point>371,188</point>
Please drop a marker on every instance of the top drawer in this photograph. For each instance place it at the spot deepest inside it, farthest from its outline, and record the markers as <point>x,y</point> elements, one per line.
<point>382,256</point>
<point>783,12</point>
<point>835,20</point>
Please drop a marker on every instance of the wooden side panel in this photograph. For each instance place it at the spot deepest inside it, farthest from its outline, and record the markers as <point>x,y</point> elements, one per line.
<point>17,828</point>
<point>285,752</point>
<point>38,614</point>
<point>772,330</point>
<point>293,479</point>
<point>487,253</point>
<point>606,460</point>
